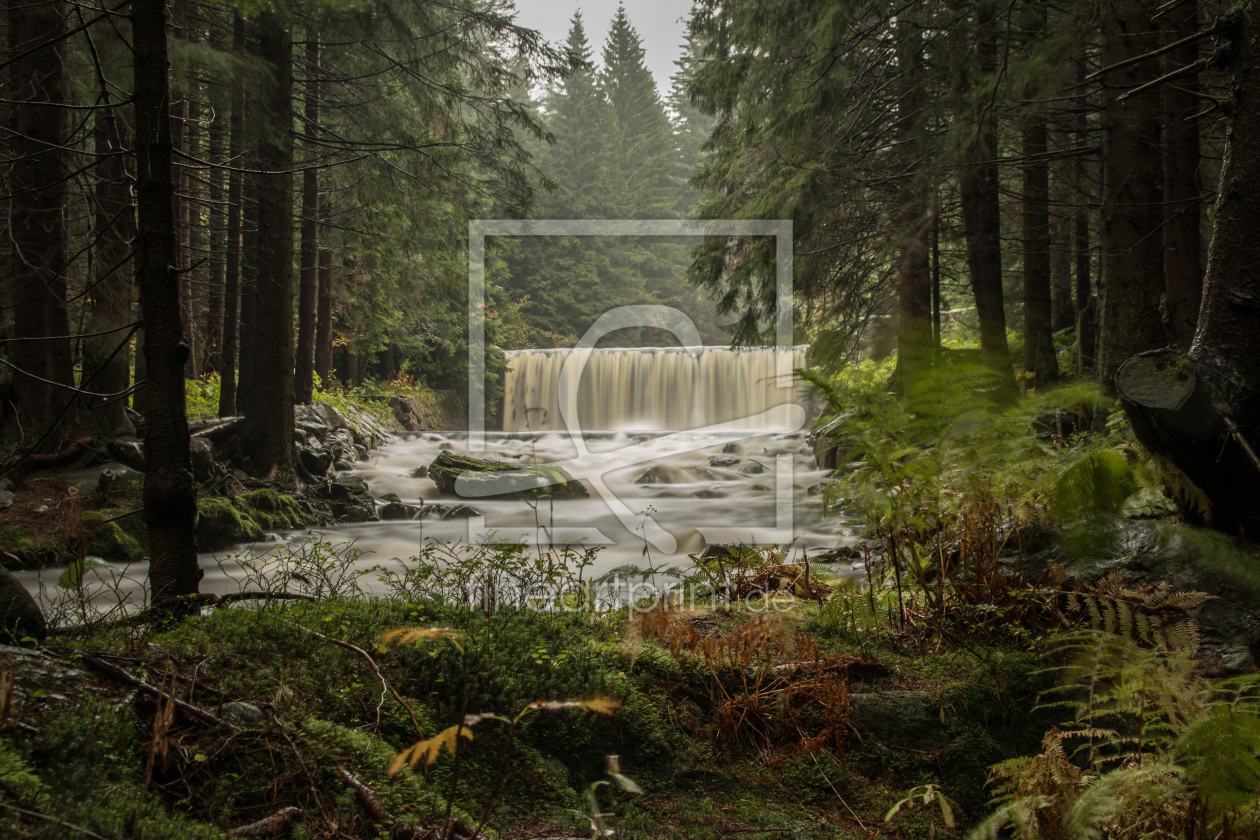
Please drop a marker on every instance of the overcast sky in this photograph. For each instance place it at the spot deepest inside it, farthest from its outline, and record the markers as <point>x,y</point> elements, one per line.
<point>660,23</point>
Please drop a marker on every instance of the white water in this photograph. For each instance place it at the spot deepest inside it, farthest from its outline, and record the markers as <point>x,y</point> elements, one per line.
<point>652,388</point>
<point>658,489</point>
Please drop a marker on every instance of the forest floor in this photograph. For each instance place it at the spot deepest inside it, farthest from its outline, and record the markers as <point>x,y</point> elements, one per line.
<point>713,716</point>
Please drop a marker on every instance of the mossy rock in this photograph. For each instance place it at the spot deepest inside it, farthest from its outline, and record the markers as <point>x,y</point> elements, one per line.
<point>33,551</point>
<point>271,509</point>
<point>108,540</point>
<point>220,524</point>
<point>469,477</point>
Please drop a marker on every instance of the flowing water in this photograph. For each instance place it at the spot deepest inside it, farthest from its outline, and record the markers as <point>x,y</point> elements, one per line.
<point>739,470</point>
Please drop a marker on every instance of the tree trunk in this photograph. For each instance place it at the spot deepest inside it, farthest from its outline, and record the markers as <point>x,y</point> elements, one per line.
<point>1132,199</point>
<point>1039,357</point>
<point>1086,305</point>
<point>1183,266</point>
<point>106,364</point>
<point>249,293</point>
<point>194,236</point>
<point>309,290</point>
<point>323,324</point>
<point>38,238</point>
<point>269,435</point>
<point>914,218</point>
<point>982,221</point>
<point>1202,409</point>
<point>218,260</point>
<point>170,496</point>
<point>232,248</point>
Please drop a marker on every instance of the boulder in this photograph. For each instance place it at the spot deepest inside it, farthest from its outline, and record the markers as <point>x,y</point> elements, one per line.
<point>204,466</point>
<point>660,474</point>
<point>397,510</point>
<point>462,475</point>
<point>20,615</point>
<point>315,459</point>
<point>752,468</point>
<point>350,500</point>
<point>6,498</point>
<point>128,451</point>
<point>242,714</point>
<point>1150,552</point>
<point>723,461</point>
<point>420,472</point>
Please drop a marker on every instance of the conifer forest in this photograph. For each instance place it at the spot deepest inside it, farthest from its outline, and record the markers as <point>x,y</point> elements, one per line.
<point>511,420</point>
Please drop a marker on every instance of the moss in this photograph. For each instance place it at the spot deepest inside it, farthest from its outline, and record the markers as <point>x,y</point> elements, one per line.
<point>271,509</point>
<point>34,551</point>
<point>220,524</point>
<point>108,540</point>
<point>90,758</point>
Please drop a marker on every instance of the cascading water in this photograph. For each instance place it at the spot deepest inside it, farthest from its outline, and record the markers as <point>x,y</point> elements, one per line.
<point>658,470</point>
<point>653,388</point>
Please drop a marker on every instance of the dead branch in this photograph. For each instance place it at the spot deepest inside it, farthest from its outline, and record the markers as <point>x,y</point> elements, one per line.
<point>116,673</point>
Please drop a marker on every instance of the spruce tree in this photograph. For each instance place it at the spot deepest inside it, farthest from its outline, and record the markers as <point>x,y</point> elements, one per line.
<point>642,136</point>
<point>580,120</point>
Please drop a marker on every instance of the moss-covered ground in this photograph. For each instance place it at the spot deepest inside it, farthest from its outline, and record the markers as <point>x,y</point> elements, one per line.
<point>80,752</point>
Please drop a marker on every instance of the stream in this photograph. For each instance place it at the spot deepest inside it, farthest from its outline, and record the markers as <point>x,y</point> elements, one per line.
<point>676,493</point>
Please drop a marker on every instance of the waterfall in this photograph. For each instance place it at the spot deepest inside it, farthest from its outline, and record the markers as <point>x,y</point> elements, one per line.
<point>651,388</point>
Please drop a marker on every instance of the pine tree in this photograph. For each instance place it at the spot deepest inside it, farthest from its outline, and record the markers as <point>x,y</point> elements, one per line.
<point>642,135</point>
<point>691,125</point>
<point>580,119</point>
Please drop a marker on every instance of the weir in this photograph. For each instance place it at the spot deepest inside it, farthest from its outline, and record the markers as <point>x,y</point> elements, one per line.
<point>653,388</point>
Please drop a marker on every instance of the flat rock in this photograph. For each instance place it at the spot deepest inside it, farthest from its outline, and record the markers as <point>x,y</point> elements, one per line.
<point>463,475</point>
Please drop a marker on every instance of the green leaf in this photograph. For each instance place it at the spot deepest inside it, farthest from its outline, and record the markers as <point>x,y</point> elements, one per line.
<point>72,577</point>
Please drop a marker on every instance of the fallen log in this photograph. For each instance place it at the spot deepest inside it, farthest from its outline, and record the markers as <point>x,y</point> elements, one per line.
<point>66,451</point>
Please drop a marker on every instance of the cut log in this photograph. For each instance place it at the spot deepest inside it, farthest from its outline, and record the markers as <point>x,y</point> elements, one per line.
<point>1180,407</point>
<point>476,478</point>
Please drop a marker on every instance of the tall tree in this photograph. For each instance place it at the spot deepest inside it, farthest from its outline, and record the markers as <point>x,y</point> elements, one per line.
<point>641,147</point>
<point>106,360</point>
<point>268,437</point>
<point>1132,189</point>
<point>37,187</point>
<point>232,247</point>
<point>170,495</point>
<point>980,191</point>
<point>914,283</point>
<point>309,280</point>
<point>1182,250</point>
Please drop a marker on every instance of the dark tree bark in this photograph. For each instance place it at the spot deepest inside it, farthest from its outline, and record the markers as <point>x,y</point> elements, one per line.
<point>268,436</point>
<point>323,324</point>
<point>38,239</point>
<point>194,235</point>
<point>914,219</point>
<point>217,257</point>
<point>982,221</point>
<point>170,496</point>
<point>309,287</point>
<point>1039,356</point>
<point>1132,199</point>
<point>1202,409</point>
<point>232,248</point>
<point>1086,304</point>
<point>106,366</point>
<point>249,294</point>
<point>1183,258</point>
